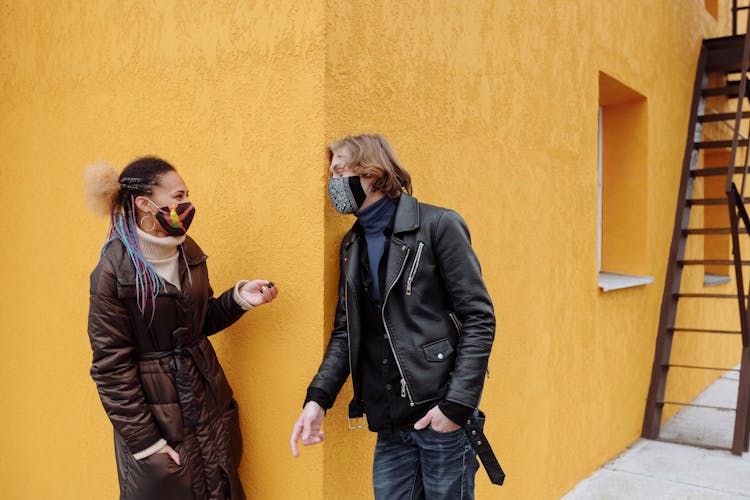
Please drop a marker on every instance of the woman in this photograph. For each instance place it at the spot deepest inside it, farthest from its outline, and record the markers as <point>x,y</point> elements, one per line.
<point>152,308</point>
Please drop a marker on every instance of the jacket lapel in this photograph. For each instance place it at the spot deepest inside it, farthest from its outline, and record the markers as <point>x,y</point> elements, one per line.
<point>405,220</point>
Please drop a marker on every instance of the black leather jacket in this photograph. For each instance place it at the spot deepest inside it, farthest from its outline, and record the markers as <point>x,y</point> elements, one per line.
<point>436,310</point>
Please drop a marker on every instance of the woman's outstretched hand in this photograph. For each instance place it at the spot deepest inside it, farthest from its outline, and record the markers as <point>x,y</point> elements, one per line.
<point>258,292</point>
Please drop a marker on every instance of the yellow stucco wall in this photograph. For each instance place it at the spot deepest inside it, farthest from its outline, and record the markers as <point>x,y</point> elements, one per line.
<point>492,106</point>
<point>232,94</point>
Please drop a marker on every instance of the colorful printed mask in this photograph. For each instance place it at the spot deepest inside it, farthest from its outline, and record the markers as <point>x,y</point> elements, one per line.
<point>175,219</point>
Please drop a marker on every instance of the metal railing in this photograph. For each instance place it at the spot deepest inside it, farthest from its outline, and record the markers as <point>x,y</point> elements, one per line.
<point>738,213</point>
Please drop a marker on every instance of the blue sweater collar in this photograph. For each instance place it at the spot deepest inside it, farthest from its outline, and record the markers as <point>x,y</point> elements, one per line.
<point>376,217</point>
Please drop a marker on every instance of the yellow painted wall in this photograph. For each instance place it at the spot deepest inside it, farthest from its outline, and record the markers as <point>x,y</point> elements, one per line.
<point>232,95</point>
<point>493,108</point>
<point>491,105</point>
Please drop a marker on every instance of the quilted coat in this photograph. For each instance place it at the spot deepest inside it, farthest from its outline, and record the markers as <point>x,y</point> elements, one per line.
<point>158,377</point>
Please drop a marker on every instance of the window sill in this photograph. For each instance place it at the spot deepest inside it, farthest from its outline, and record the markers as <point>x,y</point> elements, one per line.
<point>613,281</point>
<point>715,279</point>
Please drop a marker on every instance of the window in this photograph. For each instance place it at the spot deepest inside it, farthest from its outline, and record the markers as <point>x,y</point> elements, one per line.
<point>623,186</point>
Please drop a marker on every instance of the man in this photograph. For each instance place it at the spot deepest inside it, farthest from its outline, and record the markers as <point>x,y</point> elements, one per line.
<point>414,326</point>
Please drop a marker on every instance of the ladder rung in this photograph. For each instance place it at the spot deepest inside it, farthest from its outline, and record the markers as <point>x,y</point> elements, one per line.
<point>719,144</point>
<point>710,201</point>
<point>732,90</point>
<point>704,330</point>
<point>693,405</point>
<point>712,230</point>
<point>693,367</point>
<point>718,117</point>
<point>708,262</point>
<point>706,296</point>
<point>707,172</point>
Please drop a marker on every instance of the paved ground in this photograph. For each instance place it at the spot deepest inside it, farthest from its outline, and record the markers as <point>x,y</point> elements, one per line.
<point>655,470</point>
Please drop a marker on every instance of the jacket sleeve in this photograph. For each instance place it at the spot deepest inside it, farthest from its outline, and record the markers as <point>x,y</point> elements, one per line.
<point>113,368</point>
<point>222,311</point>
<point>472,305</point>
<point>334,369</point>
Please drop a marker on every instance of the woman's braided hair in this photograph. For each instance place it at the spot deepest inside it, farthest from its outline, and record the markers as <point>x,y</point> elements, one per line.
<point>114,195</point>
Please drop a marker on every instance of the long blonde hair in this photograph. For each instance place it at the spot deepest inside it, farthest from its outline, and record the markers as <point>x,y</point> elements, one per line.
<point>373,156</point>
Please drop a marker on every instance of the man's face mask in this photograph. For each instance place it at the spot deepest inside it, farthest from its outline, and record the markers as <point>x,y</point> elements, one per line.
<point>175,219</point>
<point>346,194</point>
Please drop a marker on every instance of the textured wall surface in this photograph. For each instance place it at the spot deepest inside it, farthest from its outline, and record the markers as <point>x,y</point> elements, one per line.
<point>232,95</point>
<point>492,106</point>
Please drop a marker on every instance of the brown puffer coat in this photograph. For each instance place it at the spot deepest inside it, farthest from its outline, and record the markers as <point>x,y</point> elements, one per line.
<point>163,380</point>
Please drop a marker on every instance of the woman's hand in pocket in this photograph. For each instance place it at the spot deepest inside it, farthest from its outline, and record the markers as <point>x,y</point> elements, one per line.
<point>172,454</point>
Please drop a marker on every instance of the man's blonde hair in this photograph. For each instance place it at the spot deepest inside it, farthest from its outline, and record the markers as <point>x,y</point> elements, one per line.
<point>373,156</point>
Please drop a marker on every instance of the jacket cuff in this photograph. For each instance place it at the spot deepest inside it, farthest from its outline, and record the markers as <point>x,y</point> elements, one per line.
<point>458,413</point>
<point>161,443</point>
<point>245,305</point>
<point>319,396</point>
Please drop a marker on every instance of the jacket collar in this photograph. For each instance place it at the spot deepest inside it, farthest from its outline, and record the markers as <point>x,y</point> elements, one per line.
<point>407,215</point>
<point>193,253</point>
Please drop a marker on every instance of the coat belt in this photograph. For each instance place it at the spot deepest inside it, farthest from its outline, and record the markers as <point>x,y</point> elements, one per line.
<point>179,368</point>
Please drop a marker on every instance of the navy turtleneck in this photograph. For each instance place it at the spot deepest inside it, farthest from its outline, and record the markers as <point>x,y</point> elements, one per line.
<point>374,219</point>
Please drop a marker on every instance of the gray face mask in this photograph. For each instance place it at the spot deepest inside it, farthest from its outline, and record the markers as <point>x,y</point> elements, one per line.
<point>346,194</point>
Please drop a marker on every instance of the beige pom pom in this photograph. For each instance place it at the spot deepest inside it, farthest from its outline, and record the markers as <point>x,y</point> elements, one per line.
<point>100,186</point>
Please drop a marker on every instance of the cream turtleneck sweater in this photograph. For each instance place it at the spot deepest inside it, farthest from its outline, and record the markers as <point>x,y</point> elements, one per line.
<point>162,253</point>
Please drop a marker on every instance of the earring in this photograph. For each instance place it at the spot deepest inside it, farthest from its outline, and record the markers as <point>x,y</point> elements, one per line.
<point>153,222</point>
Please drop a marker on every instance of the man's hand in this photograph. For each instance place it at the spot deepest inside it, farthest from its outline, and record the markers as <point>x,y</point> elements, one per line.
<point>309,427</point>
<point>438,420</point>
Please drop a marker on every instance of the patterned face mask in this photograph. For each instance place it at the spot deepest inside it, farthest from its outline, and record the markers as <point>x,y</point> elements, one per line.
<point>346,194</point>
<point>175,219</point>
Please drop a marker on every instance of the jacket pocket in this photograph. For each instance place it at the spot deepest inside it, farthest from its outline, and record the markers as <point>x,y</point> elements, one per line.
<point>414,268</point>
<point>156,477</point>
<point>437,351</point>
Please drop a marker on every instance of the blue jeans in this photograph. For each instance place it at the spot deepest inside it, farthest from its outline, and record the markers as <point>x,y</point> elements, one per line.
<point>424,464</point>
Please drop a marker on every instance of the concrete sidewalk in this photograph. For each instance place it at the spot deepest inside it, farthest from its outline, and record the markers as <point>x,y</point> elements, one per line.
<point>654,470</point>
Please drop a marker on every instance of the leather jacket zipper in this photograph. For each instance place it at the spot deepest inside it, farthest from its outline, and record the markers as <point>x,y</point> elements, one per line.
<point>405,392</point>
<point>414,268</point>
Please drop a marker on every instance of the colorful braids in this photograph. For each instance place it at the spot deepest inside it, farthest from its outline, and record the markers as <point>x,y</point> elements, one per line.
<point>147,280</point>
<point>113,194</point>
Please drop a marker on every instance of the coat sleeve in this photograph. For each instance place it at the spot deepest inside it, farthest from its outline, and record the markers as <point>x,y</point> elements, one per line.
<point>472,305</point>
<point>334,368</point>
<point>222,311</point>
<point>113,368</point>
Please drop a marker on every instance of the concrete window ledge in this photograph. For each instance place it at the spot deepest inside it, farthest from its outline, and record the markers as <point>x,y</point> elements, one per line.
<point>715,279</point>
<point>613,281</point>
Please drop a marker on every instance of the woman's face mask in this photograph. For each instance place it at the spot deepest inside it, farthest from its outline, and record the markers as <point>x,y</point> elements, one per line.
<point>346,193</point>
<point>175,218</point>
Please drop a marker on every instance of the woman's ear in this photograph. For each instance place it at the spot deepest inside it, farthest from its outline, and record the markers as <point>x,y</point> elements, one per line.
<point>143,204</point>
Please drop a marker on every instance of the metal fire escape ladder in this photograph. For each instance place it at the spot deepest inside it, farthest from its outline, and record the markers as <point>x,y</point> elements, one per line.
<point>728,55</point>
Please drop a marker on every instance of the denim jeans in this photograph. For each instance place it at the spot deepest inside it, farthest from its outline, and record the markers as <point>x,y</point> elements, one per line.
<point>424,464</point>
